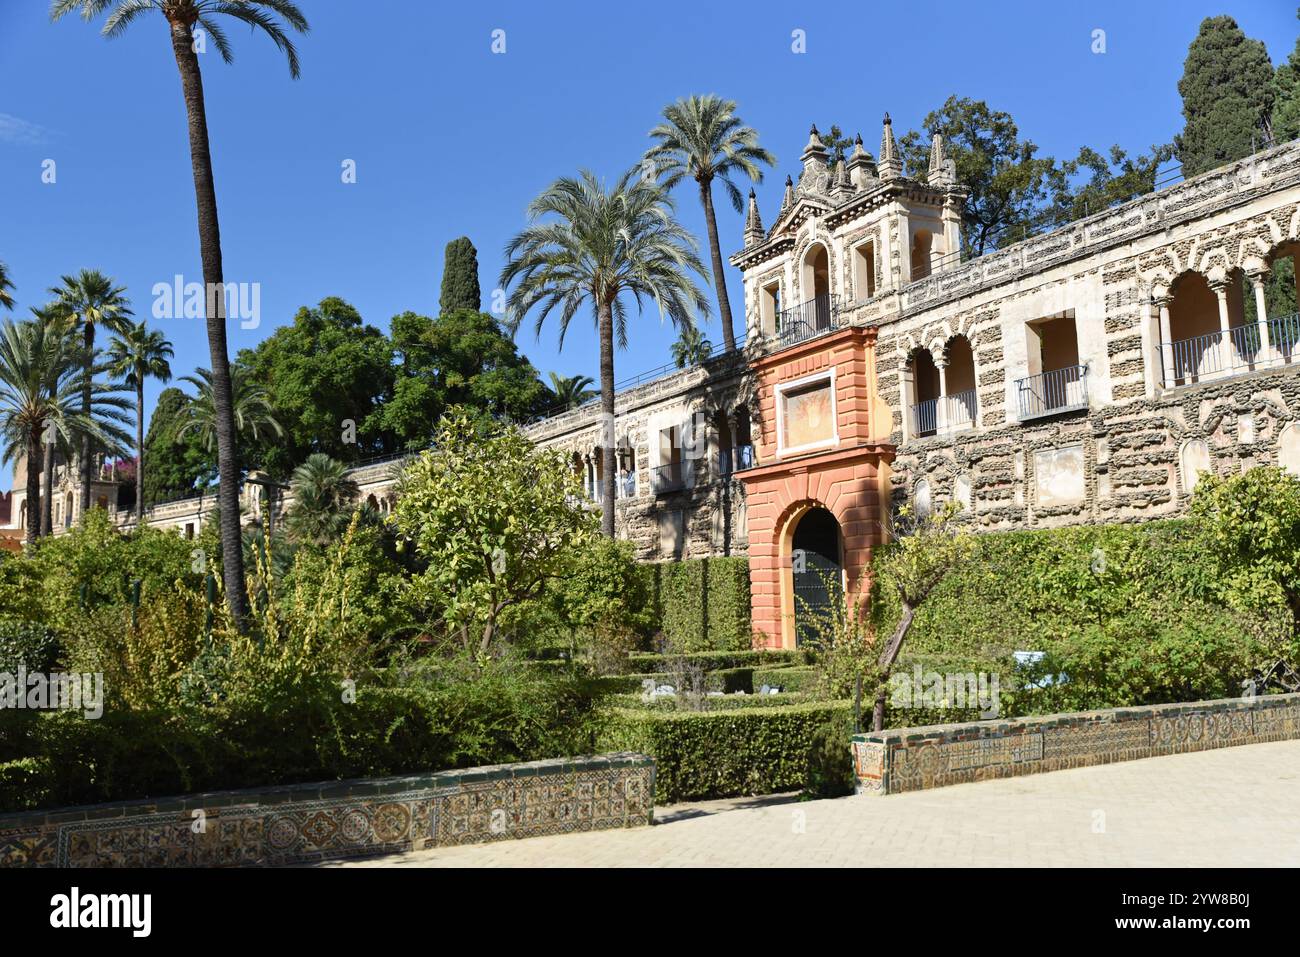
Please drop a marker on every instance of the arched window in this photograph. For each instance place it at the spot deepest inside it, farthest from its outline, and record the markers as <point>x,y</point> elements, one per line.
<point>922,241</point>
<point>816,563</point>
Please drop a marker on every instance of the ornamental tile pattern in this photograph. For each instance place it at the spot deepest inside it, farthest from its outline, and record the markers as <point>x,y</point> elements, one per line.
<point>307,823</point>
<point>914,759</point>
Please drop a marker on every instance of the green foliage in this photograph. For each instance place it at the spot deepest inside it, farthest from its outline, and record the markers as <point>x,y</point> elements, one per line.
<point>1130,613</point>
<point>323,500</point>
<point>460,359</point>
<point>830,771</point>
<point>496,520</point>
<point>701,604</point>
<point>325,368</point>
<point>26,644</point>
<point>711,754</point>
<point>789,678</point>
<point>1286,97</point>
<point>1228,91</point>
<point>460,289</point>
<point>713,660</point>
<point>177,464</point>
<point>691,347</point>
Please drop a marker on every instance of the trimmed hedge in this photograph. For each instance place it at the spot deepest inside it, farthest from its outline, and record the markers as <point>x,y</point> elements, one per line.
<point>701,604</point>
<point>712,702</point>
<point>643,661</point>
<point>713,754</point>
<point>790,678</point>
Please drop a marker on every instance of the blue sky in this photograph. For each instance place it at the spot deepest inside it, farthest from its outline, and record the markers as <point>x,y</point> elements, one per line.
<point>451,139</point>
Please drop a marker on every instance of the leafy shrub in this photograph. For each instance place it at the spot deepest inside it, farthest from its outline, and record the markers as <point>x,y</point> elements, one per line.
<point>830,771</point>
<point>710,754</point>
<point>713,660</point>
<point>26,644</point>
<point>788,678</point>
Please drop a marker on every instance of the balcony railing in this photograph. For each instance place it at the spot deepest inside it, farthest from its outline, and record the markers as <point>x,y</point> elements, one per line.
<point>672,476</point>
<point>734,459</point>
<point>947,413</point>
<point>808,319</point>
<point>1241,349</point>
<point>1061,390</point>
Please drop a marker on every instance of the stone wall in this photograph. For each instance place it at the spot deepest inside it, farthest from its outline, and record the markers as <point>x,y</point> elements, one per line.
<point>315,822</point>
<point>912,759</point>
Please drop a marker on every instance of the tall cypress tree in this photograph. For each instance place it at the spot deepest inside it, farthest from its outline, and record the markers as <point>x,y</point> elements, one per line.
<point>1286,97</point>
<point>460,278</point>
<point>1227,89</point>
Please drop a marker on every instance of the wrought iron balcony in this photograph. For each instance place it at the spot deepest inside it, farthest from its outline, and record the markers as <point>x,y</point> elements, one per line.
<point>672,476</point>
<point>815,317</point>
<point>1242,349</point>
<point>947,413</point>
<point>734,459</point>
<point>1061,390</point>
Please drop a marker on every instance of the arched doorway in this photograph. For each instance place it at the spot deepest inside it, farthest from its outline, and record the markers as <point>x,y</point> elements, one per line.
<point>817,567</point>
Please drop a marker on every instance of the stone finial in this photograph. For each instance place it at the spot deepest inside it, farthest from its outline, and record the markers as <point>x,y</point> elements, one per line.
<point>841,185</point>
<point>861,165</point>
<point>787,201</point>
<point>753,224</point>
<point>814,157</point>
<point>943,171</point>
<point>890,166</point>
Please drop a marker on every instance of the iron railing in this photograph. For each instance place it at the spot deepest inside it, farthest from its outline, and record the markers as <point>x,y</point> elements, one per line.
<point>670,477</point>
<point>818,315</point>
<point>734,459</point>
<point>947,413</point>
<point>1060,390</point>
<point>1240,350</point>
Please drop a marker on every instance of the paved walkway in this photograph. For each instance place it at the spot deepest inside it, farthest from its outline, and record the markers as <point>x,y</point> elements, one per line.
<point>1231,807</point>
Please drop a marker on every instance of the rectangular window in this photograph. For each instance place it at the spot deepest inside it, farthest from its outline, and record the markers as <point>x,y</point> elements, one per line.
<point>864,270</point>
<point>806,413</point>
<point>769,307</point>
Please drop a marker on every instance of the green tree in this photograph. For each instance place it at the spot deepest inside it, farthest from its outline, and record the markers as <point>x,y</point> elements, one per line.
<point>1009,185</point>
<point>1286,97</point>
<point>495,519</point>
<point>691,347</point>
<point>1090,182</point>
<point>323,499</point>
<point>571,391</point>
<point>254,416</point>
<point>91,300</point>
<point>182,17</point>
<point>6,288</point>
<point>461,358</point>
<point>1227,89</point>
<point>600,245</point>
<point>925,549</point>
<point>136,354</point>
<point>460,289</point>
<point>41,376</point>
<point>703,138</point>
<point>325,376</point>
<point>177,464</point>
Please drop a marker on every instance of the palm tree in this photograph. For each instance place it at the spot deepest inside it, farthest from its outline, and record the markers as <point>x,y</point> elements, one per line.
<point>90,299</point>
<point>599,245</point>
<point>691,348</point>
<point>41,386</point>
<point>133,356</point>
<point>322,499</point>
<point>59,438</point>
<point>572,390</point>
<point>253,414</point>
<point>182,17</point>
<point>6,298</point>
<point>702,137</point>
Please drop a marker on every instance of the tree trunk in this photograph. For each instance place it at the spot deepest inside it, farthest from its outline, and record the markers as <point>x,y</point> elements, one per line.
<point>88,331</point>
<point>47,503</point>
<point>605,328</point>
<point>205,193</point>
<point>33,484</point>
<point>139,449</point>
<point>886,663</point>
<point>719,278</point>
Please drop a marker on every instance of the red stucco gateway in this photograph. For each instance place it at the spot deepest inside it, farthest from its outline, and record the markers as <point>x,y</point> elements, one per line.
<point>799,467</point>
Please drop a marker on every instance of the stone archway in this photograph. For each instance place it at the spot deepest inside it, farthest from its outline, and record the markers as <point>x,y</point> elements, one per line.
<point>816,570</point>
